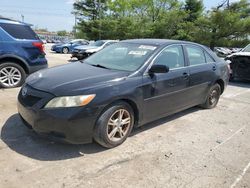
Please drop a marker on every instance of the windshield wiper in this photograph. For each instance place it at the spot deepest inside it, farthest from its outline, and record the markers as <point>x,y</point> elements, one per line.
<point>100,66</point>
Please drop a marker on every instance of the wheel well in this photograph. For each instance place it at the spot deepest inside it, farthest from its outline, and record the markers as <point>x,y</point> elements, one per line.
<point>222,85</point>
<point>131,104</point>
<point>135,109</point>
<point>15,60</point>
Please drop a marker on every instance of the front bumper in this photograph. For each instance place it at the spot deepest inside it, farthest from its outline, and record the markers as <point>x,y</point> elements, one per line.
<point>79,56</point>
<point>72,125</point>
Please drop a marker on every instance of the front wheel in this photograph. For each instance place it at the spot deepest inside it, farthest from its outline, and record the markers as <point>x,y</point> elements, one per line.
<point>65,50</point>
<point>212,97</point>
<point>114,125</point>
<point>11,75</point>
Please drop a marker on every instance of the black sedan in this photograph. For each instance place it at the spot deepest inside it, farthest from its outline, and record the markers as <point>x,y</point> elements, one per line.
<point>123,86</point>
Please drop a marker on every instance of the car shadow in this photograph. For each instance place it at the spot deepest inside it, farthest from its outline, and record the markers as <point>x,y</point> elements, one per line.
<point>26,142</point>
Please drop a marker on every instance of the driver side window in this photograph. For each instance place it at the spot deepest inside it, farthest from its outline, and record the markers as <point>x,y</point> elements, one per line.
<point>171,56</point>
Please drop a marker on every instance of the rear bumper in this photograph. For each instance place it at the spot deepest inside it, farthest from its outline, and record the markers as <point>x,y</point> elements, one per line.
<point>35,68</point>
<point>71,125</point>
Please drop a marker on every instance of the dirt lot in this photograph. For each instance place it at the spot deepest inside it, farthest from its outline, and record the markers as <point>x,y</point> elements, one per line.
<point>194,148</point>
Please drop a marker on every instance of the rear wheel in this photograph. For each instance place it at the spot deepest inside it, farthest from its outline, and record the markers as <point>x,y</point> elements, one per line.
<point>65,50</point>
<point>11,75</point>
<point>212,97</point>
<point>114,125</point>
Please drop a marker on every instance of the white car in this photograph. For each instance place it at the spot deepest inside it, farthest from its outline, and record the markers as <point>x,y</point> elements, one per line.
<point>81,52</point>
<point>240,64</point>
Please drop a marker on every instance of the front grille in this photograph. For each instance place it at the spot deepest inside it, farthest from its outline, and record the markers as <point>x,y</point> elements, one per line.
<point>30,97</point>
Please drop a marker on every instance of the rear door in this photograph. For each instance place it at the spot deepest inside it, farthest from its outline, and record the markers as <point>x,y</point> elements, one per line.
<point>202,70</point>
<point>164,93</point>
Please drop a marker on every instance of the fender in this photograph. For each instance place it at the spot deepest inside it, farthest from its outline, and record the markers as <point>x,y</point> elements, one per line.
<point>16,57</point>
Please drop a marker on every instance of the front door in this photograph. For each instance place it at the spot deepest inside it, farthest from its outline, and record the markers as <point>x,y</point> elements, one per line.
<point>164,93</point>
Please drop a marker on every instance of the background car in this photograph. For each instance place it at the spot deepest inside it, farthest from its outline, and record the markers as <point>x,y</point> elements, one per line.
<point>21,52</point>
<point>81,52</point>
<point>68,47</point>
<point>240,64</point>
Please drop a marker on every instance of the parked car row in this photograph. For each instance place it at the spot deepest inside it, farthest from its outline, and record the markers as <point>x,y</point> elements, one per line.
<point>223,52</point>
<point>80,48</point>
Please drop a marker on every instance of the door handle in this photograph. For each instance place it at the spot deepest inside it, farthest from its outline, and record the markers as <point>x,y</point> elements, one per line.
<point>214,68</point>
<point>185,75</point>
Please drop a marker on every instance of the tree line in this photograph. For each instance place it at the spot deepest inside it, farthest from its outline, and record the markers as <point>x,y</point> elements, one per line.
<point>227,24</point>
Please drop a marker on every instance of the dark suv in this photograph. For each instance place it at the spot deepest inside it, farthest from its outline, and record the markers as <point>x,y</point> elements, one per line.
<point>21,53</point>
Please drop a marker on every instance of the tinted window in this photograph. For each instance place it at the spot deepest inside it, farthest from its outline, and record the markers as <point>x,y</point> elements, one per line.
<point>209,59</point>
<point>172,57</point>
<point>19,31</point>
<point>195,55</point>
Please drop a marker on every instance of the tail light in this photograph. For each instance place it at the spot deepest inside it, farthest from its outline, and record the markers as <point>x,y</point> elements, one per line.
<point>39,45</point>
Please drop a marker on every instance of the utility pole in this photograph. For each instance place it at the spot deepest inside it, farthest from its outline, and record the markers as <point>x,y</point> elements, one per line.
<point>75,25</point>
<point>22,17</point>
<point>99,11</point>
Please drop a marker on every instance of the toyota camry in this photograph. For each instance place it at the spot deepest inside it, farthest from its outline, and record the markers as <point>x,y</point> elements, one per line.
<point>123,86</point>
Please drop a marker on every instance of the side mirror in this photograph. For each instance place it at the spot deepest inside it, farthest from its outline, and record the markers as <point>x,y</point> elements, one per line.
<point>158,69</point>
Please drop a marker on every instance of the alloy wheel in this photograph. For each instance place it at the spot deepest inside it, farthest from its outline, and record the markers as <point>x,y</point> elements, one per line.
<point>10,76</point>
<point>213,97</point>
<point>118,125</point>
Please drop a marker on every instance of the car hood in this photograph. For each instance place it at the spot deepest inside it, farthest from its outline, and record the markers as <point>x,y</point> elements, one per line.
<point>73,79</point>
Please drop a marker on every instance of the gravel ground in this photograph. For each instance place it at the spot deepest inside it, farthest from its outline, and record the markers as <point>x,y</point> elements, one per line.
<point>194,148</point>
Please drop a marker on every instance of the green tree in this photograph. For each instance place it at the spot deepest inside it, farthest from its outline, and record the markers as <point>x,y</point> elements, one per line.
<point>224,25</point>
<point>194,8</point>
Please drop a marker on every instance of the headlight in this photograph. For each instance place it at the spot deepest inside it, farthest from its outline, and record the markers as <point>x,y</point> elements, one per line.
<point>70,101</point>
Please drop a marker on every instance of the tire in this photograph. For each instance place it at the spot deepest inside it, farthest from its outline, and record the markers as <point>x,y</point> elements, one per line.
<point>213,97</point>
<point>65,50</point>
<point>109,121</point>
<point>11,75</point>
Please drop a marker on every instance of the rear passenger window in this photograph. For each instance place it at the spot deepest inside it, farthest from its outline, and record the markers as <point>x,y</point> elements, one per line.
<point>172,57</point>
<point>195,55</point>
<point>209,59</point>
<point>19,31</point>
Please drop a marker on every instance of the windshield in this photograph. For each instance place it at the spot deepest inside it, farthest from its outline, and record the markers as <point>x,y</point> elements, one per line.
<point>97,43</point>
<point>121,56</point>
<point>247,48</point>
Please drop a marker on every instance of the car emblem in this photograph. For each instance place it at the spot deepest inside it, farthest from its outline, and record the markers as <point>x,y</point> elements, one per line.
<point>24,91</point>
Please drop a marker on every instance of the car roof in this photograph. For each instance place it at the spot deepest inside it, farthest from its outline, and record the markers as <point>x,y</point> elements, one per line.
<point>156,42</point>
<point>11,21</point>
